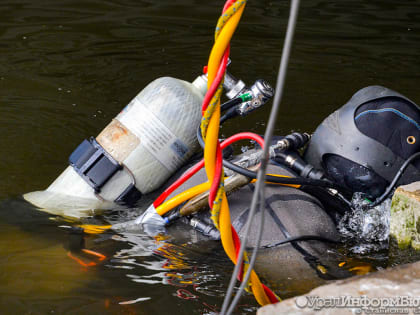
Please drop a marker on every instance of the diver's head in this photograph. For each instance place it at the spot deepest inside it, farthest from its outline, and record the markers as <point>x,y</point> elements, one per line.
<point>363,144</point>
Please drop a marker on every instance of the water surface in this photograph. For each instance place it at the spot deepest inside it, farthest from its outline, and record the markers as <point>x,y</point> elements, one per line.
<point>67,67</point>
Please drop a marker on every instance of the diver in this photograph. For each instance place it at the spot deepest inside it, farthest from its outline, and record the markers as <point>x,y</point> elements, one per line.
<point>347,154</point>
<point>367,146</point>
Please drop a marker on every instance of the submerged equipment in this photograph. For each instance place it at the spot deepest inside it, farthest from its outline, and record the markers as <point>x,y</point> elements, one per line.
<point>363,144</point>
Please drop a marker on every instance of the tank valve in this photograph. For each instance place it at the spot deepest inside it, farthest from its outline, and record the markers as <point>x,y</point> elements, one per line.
<point>261,92</point>
<point>233,86</point>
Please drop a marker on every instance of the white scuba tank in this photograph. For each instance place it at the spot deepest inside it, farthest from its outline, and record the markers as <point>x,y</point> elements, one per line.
<point>151,138</point>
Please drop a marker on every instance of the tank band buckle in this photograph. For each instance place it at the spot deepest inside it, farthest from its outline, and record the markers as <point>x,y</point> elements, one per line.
<point>96,167</point>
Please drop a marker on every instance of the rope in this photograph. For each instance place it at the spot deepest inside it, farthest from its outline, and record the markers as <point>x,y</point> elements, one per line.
<point>220,215</point>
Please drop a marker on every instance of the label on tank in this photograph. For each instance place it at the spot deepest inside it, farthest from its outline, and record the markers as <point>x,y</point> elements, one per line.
<point>161,142</point>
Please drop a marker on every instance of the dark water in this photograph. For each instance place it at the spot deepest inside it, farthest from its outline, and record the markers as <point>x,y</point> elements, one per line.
<point>67,67</point>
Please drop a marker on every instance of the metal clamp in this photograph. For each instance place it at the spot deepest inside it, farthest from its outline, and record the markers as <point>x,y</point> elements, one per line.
<point>261,92</point>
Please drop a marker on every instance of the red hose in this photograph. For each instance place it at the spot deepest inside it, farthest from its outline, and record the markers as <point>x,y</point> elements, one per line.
<point>217,175</point>
<point>207,98</point>
<point>219,165</point>
<point>273,298</point>
<point>243,136</point>
<point>237,242</point>
<point>228,4</point>
<point>184,177</point>
<point>189,173</point>
<point>220,71</point>
<point>219,76</point>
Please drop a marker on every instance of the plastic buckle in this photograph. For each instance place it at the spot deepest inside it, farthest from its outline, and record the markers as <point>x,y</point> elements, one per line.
<point>96,167</point>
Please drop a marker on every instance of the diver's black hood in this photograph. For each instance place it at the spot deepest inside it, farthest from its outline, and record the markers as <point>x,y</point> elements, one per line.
<point>371,135</point>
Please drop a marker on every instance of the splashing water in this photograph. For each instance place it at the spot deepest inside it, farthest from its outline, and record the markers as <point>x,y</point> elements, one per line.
<point>369,228</point>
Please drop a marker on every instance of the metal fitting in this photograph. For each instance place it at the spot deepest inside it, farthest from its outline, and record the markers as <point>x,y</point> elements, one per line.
<point>233,86</point>
<point>205,228</point>
<point>293,141</point>
<point>332,191</point>
<point>281,145</point>
<point>290,160</point>
<point>261,92</point>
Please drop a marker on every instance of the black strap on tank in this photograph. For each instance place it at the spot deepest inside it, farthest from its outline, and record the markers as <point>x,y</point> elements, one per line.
<point>96,167</point>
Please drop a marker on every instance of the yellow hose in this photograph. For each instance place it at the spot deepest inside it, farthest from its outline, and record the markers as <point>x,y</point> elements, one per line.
<point>222,41</point>
<point>288,185</point>
<point>216,54</point>
<point>180,198</point>
<point>94,229</point>
<point>223,38</point>
<point>198,189</point>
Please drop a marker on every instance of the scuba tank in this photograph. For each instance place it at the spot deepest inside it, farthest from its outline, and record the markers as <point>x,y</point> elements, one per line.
<point>135,154</point>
